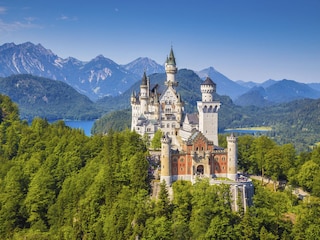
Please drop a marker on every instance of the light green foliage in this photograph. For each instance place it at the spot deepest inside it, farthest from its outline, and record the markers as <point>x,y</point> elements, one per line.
<point>309,170</point>
<point>156,140</point>
<point>12,212</point>
<point>260,147</point>
<point>163,206</point>
<point>57,183</point>
<point>182,210</point>
<point>308,221</point>
<point>209,201</point>
<point>245,150</point>
<point>41,195</point>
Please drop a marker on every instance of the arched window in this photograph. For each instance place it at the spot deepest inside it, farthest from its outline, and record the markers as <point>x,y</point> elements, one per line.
<point>205,109</point>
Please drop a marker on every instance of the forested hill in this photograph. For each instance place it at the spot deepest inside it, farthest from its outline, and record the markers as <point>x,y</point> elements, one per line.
<point>50,99</point>
<point>57,183</point>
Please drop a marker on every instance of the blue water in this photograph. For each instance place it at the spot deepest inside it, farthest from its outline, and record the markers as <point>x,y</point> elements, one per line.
<point>85,125</point>
<point>247,131</point>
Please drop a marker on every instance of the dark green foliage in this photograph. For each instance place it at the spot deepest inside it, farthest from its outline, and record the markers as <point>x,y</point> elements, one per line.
<point>57,183</point>
<point>117,121</point>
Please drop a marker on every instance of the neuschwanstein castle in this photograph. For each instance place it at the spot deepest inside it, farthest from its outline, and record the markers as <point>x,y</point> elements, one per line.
<point>189,146</point>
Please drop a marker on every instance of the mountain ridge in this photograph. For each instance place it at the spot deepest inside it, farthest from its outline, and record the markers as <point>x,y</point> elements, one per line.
<point>46,98</point>
<point>101,76</point>
<point>274,92</point>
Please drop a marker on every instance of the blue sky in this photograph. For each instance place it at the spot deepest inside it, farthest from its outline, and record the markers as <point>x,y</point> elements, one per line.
<point>250,40</point>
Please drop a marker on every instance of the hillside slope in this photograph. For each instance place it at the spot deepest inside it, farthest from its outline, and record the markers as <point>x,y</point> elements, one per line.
<point>46,98</point>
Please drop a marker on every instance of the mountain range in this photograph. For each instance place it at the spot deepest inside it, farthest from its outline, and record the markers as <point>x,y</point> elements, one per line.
<point>275,92</point>
<point>97,78</point>
<point>102,77</point>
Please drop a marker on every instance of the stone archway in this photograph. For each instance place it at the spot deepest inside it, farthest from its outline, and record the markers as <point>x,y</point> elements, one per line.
<point>200,170</point>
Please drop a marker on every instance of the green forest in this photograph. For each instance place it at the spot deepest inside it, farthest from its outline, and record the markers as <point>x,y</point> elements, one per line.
<point>58,183</point>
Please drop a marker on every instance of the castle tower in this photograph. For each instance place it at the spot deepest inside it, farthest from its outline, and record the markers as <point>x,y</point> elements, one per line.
<point>208,111</point>
<point>144,92</point>
<point>165,159</point>
<point>232,157</point>
<point>171,69</point>
<point>171,106</point>
<point>134,107</point>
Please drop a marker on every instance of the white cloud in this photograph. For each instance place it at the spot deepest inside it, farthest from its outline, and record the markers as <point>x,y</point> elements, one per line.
<point>67,18</point>
<point>3,10</point>
<point>16,26</point>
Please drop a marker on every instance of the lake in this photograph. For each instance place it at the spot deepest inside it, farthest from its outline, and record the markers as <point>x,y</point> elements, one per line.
<point>246,131</point>
<point>85,125</point>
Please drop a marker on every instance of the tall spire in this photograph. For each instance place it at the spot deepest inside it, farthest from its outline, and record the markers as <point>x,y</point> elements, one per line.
<point>171,59</point>
<point>144,79</point>
<point>171,69</point>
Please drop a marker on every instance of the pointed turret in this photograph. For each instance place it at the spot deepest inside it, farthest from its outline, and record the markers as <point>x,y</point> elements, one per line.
<point>171,59</point>
<point>133,97</point>
<point>208,87</point>
<point>144,92</point>
<point>171,69</point>
<point>144,80</point>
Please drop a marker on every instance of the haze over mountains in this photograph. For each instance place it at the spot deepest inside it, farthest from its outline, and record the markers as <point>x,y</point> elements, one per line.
<point>102,77</point>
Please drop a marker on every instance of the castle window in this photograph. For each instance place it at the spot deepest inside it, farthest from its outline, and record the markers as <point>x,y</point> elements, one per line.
<point>181,169</point>
<point>205,109</point>
<point>174,160</point>
<point>223,158</point>
<point>181,159</point>
<point>217,168</point>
